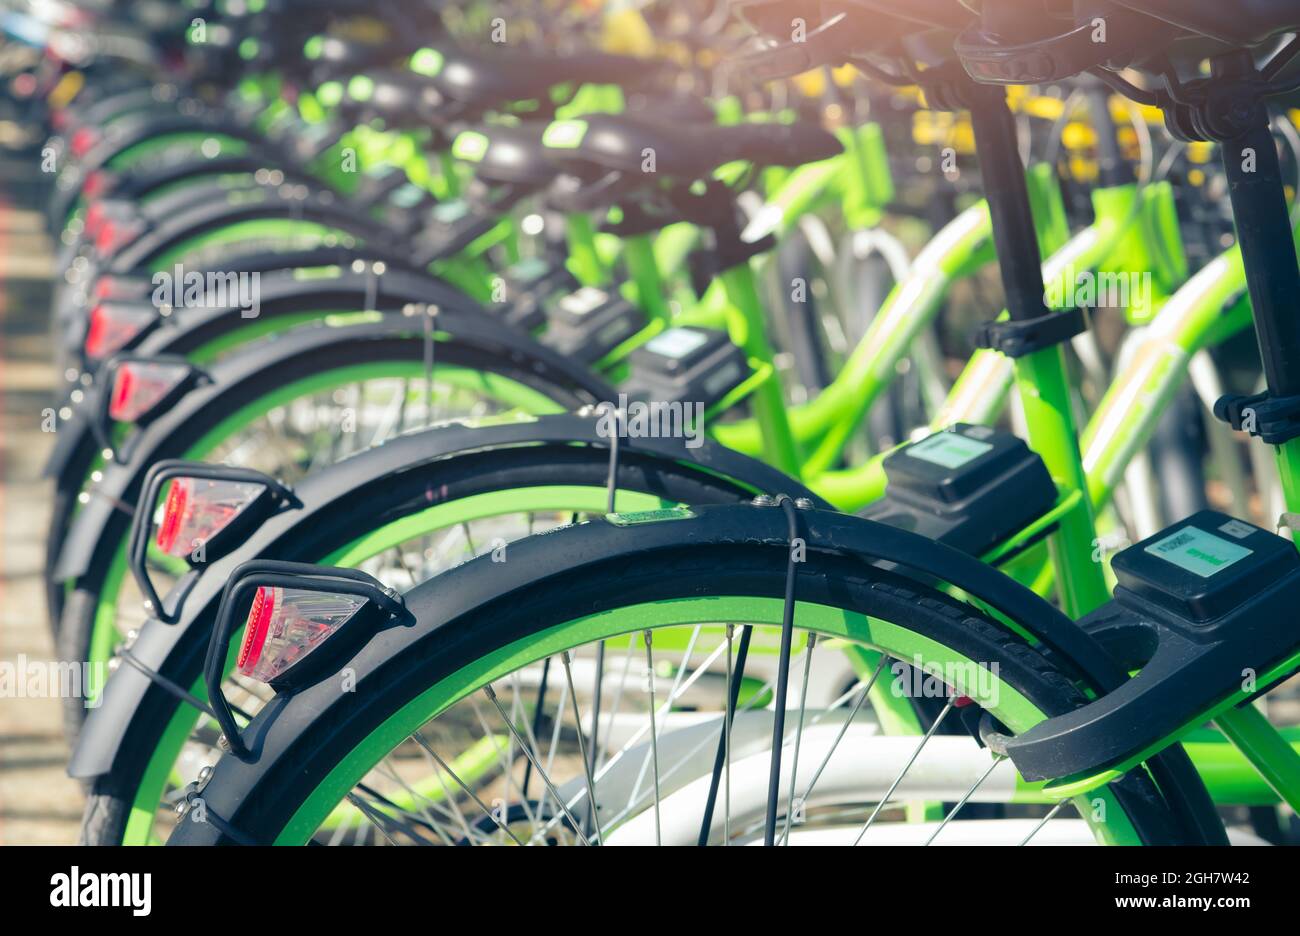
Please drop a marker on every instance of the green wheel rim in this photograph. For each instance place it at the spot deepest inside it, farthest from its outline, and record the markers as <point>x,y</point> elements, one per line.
<point>104,635</point>
<point>144,807</point>
<point>1008,705</point>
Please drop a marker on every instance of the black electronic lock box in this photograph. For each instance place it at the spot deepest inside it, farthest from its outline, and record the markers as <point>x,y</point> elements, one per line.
<point>691,365</point>
<point>969,487</point>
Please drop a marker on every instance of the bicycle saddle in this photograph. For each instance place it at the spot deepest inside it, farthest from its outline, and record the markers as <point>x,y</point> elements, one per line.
<point>1235,22</point>
<point>401,98</point>
<point>624,142</point>
<point>484,80</point>
<point>1038,41</point>
<point>511,155</point>
<point>332,56</point>
<point>835,31</point>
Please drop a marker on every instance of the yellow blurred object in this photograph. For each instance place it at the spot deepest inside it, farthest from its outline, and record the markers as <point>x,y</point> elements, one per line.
<point>811,83</point>
<point>1077,136</point>
<point>1083,169</point>
<point>627,33</point>
<point>942,128</point>
<point>68,87</point>
<point>844,75</point>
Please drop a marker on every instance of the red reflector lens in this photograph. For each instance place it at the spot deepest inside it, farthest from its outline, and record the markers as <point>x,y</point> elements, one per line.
<point>82,141</point>
<point>197,509</point>
<point>113,326</point>
<point>259,621</point>
<point>286,624</point>
<point>139,386</point>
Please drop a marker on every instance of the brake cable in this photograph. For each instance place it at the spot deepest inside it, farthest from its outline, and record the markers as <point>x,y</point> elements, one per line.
<point>790,506</point>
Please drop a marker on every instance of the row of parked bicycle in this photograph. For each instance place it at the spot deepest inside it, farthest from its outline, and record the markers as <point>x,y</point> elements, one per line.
<point>781,421</point>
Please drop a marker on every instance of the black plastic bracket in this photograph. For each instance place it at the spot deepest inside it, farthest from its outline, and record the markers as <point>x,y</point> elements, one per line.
<point>1272,419</point>
<point>1192,635</point>
<point>1018,338</point>
<point>238,595</point>
<point>277,496</point>
<point>100,421</point>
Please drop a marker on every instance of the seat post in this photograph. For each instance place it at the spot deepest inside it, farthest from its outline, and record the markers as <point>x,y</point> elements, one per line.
<point>1259,211</point>
<point>1007,194</point>
<point>1041,373</point>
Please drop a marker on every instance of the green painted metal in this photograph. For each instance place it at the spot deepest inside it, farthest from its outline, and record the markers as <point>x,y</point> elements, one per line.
<point>1007,705</point>
<point>1260,742</point>
<point>747,328</point>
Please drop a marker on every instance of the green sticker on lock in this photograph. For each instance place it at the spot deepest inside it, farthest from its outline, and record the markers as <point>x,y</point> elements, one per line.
<point>1198,552</point>
<point>948,449</point>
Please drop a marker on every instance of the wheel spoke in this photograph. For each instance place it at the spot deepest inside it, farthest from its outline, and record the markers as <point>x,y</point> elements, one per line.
<point>906,767</point>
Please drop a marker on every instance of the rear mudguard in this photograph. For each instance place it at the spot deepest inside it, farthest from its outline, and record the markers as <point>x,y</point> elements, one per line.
<point>130,700</point>
<point>131,130</point>
<point>70,303</point>
<point>140,184</point>
<point>589,548</point>
<point>175,231</point>
<point>477,343</point>
<point>282,293</point>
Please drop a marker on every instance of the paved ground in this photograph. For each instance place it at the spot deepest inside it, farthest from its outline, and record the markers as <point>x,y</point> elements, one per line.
<point>38,803</point>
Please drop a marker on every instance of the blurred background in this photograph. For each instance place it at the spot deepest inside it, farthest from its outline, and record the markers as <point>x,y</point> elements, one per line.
<point>39,804</point>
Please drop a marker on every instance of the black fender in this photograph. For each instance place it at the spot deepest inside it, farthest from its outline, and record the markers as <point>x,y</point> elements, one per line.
<point>475,586</point>
<point>176,650</point>
<point>72,303</point>
<point>321,208</point>
<point>476,342</point>
<point>132,129</point>
<point>282,293</point>
<point>135,185</point>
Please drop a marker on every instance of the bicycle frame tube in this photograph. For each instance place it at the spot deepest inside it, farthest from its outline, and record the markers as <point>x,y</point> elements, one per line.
<point>584,260</point>
<point>1192,319</point>
<point>1260,742</point>
<point>746,326</point>
<point>1040,375</point>
<point>639,256</point>
<point>962,246</point>
<point>980,392</point>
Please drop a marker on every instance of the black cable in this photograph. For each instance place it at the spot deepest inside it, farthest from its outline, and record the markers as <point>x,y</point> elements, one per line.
<point>782,674</point>
<point>742,653</point>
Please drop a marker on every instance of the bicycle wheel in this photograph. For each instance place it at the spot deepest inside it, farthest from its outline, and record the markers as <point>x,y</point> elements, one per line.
<point>296,403</point>
<point>433,745</point>
<point>487,494</point>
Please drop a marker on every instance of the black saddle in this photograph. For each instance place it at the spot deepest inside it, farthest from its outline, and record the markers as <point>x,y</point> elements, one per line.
<point>627,143</point>
<point>485,80</point>
<point>508,155</point>
<point>402,98</point>
<point>1235,22</point>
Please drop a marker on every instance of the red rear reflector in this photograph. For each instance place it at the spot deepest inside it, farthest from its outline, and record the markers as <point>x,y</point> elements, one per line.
<point>114,325</point>
<point>259,621</point>
<point>197,509</point>
<point>83,140</point>
<point>139,386</point>
<point>286,624</point>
